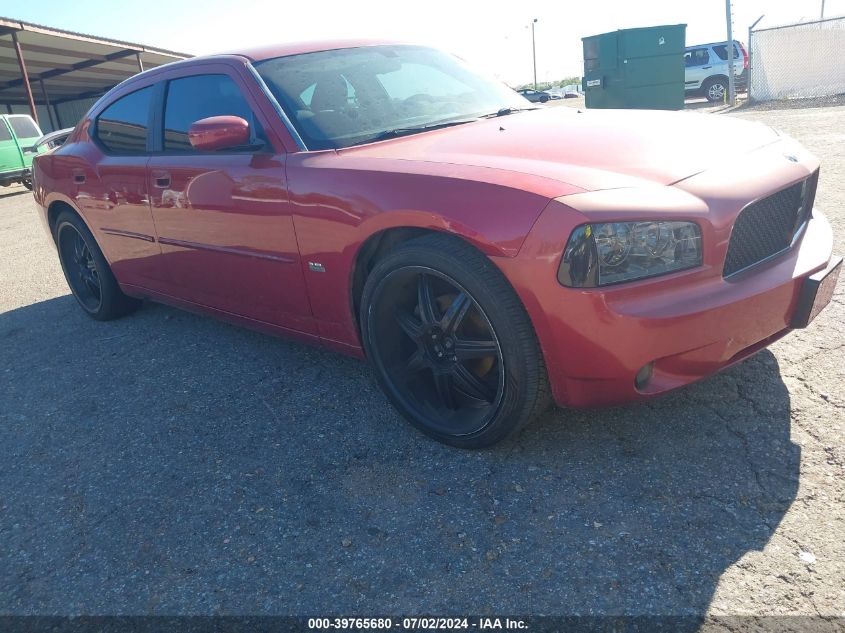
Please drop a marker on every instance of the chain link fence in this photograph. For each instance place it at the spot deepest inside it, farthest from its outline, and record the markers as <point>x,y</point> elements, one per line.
<point>798,61</point>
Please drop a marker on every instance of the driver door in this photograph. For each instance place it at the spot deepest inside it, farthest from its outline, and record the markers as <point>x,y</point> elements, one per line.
<point>223,217</point>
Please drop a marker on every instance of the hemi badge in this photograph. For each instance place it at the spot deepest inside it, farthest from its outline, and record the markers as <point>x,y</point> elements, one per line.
<point>316,267</point>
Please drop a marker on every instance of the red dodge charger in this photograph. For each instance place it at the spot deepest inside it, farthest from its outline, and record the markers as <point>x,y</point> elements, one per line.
<point>487,255</point>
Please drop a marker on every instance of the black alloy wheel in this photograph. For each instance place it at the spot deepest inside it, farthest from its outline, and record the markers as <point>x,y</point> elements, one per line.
<point>87,272</point>
<point>80,268</point>
<point>454,351</point>
<point>440,350</point>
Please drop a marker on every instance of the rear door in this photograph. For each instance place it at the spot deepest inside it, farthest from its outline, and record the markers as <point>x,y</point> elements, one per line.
<point>111,189</point>
<point>223,218</point>
<point>720,51</point>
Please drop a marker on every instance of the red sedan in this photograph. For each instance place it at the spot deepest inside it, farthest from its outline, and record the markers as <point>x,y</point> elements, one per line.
<point>484,253</point>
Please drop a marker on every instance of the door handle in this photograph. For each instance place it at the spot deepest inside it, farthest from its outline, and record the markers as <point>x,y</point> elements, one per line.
<point>78,176</point>
<point>707,67</point>
<point>161,179</point>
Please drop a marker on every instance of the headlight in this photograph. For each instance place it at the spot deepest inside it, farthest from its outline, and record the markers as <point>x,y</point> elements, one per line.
<point>613,252</point>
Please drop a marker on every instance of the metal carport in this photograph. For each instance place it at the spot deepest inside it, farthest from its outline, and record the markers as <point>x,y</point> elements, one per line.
<point>55,75</point>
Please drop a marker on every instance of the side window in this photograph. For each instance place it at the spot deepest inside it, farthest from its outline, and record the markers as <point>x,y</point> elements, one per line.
<point>24,127</point>
<point>5,135</point>
<point>190,99</point>
<point>696,57</point>
<point>122,127</point>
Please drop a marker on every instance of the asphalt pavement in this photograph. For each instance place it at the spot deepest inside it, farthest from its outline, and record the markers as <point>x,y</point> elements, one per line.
<point>168,463</point>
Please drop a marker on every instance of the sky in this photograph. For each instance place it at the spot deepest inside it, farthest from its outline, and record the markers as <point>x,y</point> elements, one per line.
<point>495,35</point>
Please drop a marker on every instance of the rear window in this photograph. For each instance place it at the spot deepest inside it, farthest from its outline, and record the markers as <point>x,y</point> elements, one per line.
<point>722,51</point>
<point>122,127</point>
<point>24,127</point>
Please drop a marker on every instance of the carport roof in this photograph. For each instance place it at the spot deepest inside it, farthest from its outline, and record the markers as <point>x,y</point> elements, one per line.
<point>70,65</point>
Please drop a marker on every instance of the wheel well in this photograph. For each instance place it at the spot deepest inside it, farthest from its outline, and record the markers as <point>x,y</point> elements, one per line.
<point>713,78</point>
<point>53,214</point>
<point>376,247</point>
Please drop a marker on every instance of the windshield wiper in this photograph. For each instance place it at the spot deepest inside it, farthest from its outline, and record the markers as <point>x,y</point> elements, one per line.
<point>406,131</point>
<point>506,111</point>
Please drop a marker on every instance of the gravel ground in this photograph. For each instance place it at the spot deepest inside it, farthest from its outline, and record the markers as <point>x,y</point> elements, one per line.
<point>171,464</point>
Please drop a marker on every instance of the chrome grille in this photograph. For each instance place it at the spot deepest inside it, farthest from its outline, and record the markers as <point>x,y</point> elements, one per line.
<point>768,226</point>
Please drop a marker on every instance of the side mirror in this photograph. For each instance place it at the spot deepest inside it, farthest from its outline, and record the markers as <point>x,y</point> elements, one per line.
<point>218,132</point>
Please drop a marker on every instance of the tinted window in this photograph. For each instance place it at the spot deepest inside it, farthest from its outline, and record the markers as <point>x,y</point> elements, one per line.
<point>122,127</point>
<point>24,127</point>
<point>722,51</point>
<point>190,99</point>
<point>5,135</point>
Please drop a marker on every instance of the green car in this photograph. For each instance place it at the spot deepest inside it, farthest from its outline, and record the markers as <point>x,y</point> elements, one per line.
<point>18,136</point>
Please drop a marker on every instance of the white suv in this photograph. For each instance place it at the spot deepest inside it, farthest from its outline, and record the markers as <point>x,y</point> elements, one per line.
<point>707,69</point>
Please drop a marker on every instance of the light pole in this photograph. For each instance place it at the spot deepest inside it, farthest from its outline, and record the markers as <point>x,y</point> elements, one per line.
<point>534,52</point>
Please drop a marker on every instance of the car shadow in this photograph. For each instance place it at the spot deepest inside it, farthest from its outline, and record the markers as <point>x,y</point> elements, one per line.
<point>13,190</point>
<point>170,463</point>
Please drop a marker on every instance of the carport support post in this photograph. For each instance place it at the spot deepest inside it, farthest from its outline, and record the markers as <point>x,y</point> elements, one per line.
<point>47,103</point>
<point>25,76</point>
<point>140,62</point>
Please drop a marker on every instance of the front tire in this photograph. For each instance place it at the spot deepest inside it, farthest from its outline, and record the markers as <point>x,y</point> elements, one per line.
<point>27,182</point>
<point>452,346</point>
<point>88,273</point>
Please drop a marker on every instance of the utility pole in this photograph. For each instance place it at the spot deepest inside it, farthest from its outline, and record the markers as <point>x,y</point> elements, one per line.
<point>534,52</point>
<point>822,10</point>
<point>731,77</point>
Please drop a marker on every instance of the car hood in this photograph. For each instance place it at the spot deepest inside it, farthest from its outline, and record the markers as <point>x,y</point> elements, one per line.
<point>590,150</point>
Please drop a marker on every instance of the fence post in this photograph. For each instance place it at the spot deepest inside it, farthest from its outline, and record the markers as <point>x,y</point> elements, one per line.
<point>748,96</point>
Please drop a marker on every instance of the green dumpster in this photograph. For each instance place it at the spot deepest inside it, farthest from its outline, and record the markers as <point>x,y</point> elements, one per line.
<point>635,68</point>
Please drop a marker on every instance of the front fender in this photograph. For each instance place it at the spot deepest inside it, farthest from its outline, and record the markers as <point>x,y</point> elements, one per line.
<point>337,206</point>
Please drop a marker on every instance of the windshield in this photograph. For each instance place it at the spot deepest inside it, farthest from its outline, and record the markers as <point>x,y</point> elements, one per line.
<point>350,96</point>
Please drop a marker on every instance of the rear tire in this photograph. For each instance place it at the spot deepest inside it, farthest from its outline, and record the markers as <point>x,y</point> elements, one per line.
<point>88,273</point>
<point>27,182</point>
<point>715,89</point>
<point>451,344</point>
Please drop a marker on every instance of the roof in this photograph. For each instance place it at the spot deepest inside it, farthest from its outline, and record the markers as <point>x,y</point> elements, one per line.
<point>722,43</point>
<point>298,48</point>
<point>71,65</point>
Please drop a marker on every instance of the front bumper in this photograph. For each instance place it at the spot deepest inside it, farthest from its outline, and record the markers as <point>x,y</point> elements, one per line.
<point>689,324</point>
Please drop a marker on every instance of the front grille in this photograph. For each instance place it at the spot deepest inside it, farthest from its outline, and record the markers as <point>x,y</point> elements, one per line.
<point>768,226</point>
